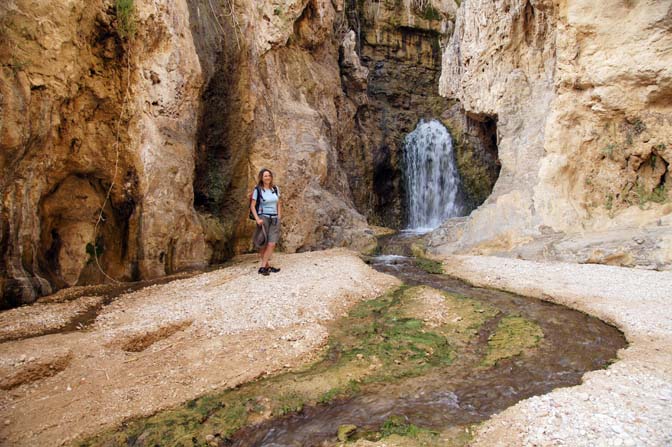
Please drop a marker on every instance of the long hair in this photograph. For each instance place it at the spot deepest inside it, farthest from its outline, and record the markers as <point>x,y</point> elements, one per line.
<point>260,178</point>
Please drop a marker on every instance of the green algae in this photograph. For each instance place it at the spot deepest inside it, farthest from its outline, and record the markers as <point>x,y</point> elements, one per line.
<point>430,266</point>
<point>396,431</point>
<point>383,340</point>
<point>513,336</point>
<point>423,262</point>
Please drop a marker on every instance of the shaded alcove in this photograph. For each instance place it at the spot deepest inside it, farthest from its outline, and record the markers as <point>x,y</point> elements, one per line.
<point>476,153</point>
<point>69,240</point>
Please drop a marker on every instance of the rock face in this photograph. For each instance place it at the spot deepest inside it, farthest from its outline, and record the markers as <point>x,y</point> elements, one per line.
<point>581,94</point>
<point>105,135</point>
<point>90,121</point>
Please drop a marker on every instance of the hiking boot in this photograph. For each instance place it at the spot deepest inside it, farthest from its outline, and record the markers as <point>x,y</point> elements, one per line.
<point>263,271</point>
<point>272,269</point>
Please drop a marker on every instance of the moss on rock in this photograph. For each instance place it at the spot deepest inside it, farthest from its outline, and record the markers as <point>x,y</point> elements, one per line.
<point>513,336</point>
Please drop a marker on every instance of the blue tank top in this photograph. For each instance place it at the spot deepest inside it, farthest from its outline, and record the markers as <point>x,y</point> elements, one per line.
<point>269,201</point>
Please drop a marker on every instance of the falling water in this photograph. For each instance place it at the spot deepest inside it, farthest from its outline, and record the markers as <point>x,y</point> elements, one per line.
<point>432,181</point>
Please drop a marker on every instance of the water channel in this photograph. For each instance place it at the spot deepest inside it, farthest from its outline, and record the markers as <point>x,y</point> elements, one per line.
<point>388,369</point>
<point>465,392</point>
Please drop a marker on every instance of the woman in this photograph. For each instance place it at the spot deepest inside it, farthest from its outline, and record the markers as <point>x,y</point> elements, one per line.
<point>267,216</point>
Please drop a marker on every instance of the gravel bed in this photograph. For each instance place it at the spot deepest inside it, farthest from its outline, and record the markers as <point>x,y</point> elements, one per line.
<point>310,287</point>
<point>165,344</point>
<point>628,404</point>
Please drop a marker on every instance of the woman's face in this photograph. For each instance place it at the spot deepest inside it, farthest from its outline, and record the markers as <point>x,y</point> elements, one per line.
<point>267,177</point>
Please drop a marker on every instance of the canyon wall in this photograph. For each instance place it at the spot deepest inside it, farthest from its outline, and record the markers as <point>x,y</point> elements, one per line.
<point>276,101</point>
<point>581,92</point>
<point>91,120</point>
<point>129,144</point>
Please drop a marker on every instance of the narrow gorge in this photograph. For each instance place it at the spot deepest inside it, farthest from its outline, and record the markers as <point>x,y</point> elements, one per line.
<point>523,146</point>
<point>181,116</point>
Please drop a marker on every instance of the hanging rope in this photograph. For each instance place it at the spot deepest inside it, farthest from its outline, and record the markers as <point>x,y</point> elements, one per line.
<point>117,142</point>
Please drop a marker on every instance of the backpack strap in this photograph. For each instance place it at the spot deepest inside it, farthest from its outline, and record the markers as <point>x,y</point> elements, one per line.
<point>260,198</point>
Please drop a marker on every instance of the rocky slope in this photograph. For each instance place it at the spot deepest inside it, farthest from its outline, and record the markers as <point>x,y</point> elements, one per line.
<point>581,94</point>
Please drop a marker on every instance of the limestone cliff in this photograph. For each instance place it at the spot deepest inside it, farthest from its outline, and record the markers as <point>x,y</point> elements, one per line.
<point>84,112</point>
<point>146,107</point>
<point>581,93</point>
<point>275,100</point>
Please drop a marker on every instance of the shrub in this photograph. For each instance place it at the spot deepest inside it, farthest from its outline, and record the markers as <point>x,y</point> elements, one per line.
<point>125,19</point>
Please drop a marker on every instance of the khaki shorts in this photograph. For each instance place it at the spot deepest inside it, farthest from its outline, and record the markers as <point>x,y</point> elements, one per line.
<point>271,233</point>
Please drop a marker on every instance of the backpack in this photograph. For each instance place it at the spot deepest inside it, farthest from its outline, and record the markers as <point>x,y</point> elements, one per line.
<point>259,199</point>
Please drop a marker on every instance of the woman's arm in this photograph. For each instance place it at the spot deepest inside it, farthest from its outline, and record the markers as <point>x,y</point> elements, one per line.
<point>279,212</point>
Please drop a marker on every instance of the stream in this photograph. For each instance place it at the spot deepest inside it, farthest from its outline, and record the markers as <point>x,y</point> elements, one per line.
<point>463,393</point>
<point>426,361</point>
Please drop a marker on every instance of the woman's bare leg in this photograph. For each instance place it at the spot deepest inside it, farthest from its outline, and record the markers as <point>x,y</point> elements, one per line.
<point>267,254</point>
<point>262,251</point>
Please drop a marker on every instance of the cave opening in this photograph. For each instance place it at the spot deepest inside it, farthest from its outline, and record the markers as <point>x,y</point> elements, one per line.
<point>70,241</point>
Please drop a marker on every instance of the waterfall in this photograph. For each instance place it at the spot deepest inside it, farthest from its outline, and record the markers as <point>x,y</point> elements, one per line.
<point>432,180</point>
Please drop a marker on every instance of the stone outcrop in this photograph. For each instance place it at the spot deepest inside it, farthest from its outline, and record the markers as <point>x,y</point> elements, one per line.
<point>581,95</point>
<point>105,135</point>
<point>275,101</point>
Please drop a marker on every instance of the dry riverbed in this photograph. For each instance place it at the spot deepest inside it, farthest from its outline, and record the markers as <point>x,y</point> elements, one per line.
<point>628,404</point>
<point>156,347</point>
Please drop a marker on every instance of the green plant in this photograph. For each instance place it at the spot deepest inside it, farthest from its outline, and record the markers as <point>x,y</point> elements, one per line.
<point>291,402</point>
<point>125,18</point>
<point>653,160</point>
<point>277,11</point>
<point>608,150</point>
<point>431,13</point>
<point>657,195</point>
<point>513,336</point>
<point>429,266</point>
<point>609,201</point>
<point>397,425</point>
<point>350,389</point>
<point>638,126</point>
